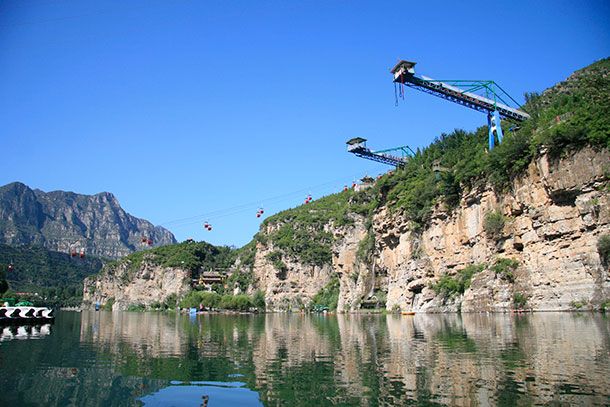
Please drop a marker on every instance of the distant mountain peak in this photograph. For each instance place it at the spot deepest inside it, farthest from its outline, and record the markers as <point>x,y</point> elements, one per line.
<point>66,221</point>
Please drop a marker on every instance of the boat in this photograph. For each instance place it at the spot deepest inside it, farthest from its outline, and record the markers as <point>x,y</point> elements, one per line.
<point>408,313</point>
<point>23,312</point>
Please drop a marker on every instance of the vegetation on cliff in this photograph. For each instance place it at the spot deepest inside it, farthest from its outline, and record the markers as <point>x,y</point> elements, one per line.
<point>603,248</point>
<point>303,232</point>
<point>449,286</point>
<point>327,296</point>
<point>187,256</point>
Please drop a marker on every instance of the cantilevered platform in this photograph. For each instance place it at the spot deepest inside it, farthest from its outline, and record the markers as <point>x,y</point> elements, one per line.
<point>358,147</point>
<point>404,73</point>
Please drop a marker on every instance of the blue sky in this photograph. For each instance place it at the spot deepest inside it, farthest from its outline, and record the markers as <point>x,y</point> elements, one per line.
<point>205,110</point>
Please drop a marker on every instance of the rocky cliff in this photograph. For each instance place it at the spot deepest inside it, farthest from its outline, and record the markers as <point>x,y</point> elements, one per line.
<point>65,221</point>
<point>154,278</point>
<point>122,285</point>
<point>552,221</point>
<point>460,228</point>
<point>523,226</point>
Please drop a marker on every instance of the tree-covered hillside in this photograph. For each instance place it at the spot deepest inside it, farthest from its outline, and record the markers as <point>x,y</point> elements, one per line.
<point>56,277</point>
<point>188,255</point>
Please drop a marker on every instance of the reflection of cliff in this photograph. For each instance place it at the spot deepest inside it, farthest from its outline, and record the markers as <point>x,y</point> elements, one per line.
<point>66,386</point>
<point>296,359</point>
<point>287,341</point>
<point>149,334</point>
<point>469,360</point>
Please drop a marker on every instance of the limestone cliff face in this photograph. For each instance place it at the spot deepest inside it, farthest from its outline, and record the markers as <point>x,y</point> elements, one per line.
<point>291,285</point>
<point>122,286</point>
<point>554,216</point>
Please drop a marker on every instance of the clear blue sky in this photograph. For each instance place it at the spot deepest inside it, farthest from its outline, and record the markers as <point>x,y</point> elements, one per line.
<point>184,108</point>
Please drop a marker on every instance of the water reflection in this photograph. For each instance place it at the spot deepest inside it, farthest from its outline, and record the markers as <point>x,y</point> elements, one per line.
<point>8,333</point>
<point>284,359</point>
<point>203,394</point>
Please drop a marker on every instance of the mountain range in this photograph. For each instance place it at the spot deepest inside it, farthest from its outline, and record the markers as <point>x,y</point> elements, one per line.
<point>73,223</point>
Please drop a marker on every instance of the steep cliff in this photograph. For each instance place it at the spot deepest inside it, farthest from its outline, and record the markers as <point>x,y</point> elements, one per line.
<point>544,256</point>
<point>459,227</point>
<point>64,221</point>
<point>153,278</point>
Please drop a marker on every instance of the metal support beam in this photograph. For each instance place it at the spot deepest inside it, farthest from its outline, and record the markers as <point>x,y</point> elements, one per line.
<point>494,129</point>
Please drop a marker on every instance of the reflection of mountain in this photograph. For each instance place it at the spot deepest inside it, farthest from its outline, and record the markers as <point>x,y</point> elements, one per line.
<point>448,359</point>
<point>445,359</point>
<point>148,334</point>
<point>295,359</point>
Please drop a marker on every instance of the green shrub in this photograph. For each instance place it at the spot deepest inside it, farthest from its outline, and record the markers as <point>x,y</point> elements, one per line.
<point>604,306</point>
<point>603,248</point>
<point>508,159</point>
<point>171,301</point>
<point>448,286</point>
<point>578,304</point>
<point>519,300</point>
<point>328,296</point>
<point>3,282</point>
<point>247,254</point>
<point>236,302</point>
<point>210,300</point>
<point>259,300</point>
<point>504,268</point>
<point>136,308</point>
<point>366,247</point>
<point>241,279</point>
<point>206,298</point>
<point>493,224</point>
<point>275,258</point>
<point>108,305</point>
<point>310,244</point>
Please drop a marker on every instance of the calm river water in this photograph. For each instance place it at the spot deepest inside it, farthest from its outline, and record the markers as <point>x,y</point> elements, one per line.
<point>150,359</point>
